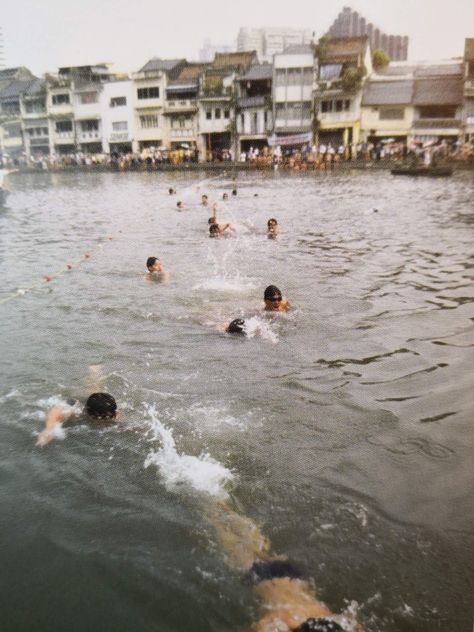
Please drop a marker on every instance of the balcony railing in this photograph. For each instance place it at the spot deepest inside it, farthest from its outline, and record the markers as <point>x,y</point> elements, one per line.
<point>430,123</point>
<point>85,137</point>
<point>39,140</point>
<point>180,105</point>
<point>182,133</point>
<point>117,137</point>
<point>335,117</point>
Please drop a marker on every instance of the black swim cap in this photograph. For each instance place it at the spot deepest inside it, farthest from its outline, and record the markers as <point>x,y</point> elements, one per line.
<point>236,326</point>
<point>319,625</point>
<point>101,406</point>
<point>271,291</point>
<point>214,229</point>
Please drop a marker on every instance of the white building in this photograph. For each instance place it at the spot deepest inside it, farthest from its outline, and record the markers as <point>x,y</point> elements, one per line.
<point>271,41</point>
<point>118,117</point>
<point>293,78</point>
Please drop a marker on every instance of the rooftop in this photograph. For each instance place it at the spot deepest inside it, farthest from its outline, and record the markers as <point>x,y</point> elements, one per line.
<point>298,49</point>
<point>258,72</point>
<point>165,65</point>
<point>343,49</point>
<point>438,91</point>
<point>241,60</point>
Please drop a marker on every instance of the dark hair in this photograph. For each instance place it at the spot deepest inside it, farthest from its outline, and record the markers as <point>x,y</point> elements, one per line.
<point>171,191</point>
<point>319,625</point>
<point>179,203</point>
<point>151,261</point>
<point>234,191</point>
<point>272,220</point>
<point>204,196</point>
<point>236,326</point>
<point>101,406</point>
<point>271,291</point>
<point>211,220</point>
<point>224,196</point>
<point>214,229</point>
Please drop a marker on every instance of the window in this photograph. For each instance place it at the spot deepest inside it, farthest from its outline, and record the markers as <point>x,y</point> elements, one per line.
<point>294,76</point>
<point>438,111</point>
<point>242,120</point>
<point>37,131</point>
<point>347,104</point>
<point>265,117</point>
<point>306,110</point>
<point>116,102</point>
<point>120,126</point>
<point>255,119</point>
<point>208,115</point>
<point>339,105</point>
<point>38,105</point>
<point>153,92</point>
<point>281,77</point>
<point>60,99</point>
<point>391,114</point>
<point>307,76</point>
<point>11,130</point>
<point>91,125</point>
<point>88,97</point>
<point>217,113</point>
<point>11,108</point>
<point>326,106</point>
<point>148,121</point>
<point>226,114</point>
<point>64,126</point>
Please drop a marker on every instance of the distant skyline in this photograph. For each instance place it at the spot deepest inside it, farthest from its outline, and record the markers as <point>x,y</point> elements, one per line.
<point>43,36</point>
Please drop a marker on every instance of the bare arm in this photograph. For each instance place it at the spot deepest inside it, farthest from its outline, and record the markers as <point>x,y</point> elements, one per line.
<point>54,417</point>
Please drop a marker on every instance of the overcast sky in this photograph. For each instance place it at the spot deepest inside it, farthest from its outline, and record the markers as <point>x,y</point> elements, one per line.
<point>45,34</point>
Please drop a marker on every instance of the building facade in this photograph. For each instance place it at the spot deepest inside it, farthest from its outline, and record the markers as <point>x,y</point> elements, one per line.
<point>254,120</point>
<point>468,115</point>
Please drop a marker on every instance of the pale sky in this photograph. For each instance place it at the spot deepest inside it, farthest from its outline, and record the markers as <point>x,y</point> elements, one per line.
<point>46,34</point>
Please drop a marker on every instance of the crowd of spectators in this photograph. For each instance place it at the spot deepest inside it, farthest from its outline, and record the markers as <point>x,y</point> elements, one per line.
<point>322,156</point>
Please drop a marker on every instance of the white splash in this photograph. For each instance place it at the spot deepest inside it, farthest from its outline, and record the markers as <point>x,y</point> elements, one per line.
<point>203,473</point>
<point>257,326</point>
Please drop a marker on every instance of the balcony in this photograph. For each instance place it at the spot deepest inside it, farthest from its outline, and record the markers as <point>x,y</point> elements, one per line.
<point>469,88</point>
<point>63,138</point>
<point>177,106</point>
<point>437,124</point>
<point>182,133</point>
<point>39,141</point>
<point>63,109</point>
<point>337,117</point>
<point>119,137</point>
<point>89,137</point>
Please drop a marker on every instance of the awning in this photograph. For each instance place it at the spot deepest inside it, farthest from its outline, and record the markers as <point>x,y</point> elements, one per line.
<point>294,139</point>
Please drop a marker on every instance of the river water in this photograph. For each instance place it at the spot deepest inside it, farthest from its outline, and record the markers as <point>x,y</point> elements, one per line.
<point>342,428</point>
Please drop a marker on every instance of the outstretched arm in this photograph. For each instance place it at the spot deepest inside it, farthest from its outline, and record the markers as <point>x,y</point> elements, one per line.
<point>54,417</point>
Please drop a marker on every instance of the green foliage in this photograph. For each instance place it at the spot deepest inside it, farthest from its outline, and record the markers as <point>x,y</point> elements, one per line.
<point>320,49</point>
<point>380,58</point>
<point>351,78</point>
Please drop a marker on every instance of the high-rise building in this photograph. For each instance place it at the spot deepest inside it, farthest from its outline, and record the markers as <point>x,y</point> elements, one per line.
<point>350,24</point>
<point>271,41</point>
<point>2,50</point>
<point>208,50</point>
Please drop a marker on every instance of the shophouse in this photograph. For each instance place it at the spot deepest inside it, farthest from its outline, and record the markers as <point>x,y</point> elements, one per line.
<point>13,83</point>
<point>181,124</point>
<point>469,90</point>
<point>343,65</point>
<point>35,124</point>
<point>438,102</point>
<point>118,117</point>
<point>254,107</point>
<point>293,79</point>
<point>149,99</point>
<point>217,102</point>
<point>387,109</point>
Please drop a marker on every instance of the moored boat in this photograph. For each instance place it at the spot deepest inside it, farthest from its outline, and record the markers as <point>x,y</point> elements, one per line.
<point>422,171</point>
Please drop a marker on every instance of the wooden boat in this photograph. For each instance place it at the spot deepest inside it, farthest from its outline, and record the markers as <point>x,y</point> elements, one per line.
<point>422,171</point>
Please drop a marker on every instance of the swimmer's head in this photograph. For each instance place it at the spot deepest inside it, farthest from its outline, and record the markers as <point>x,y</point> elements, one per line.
<point>171,191</point>
<point>319,625</point>
<point>153,264</point>
<point>204,199</point>
<point>234,191</point>
<point>224,196</point>
<point>236,326</point>
<point>179,204</point>
<point>214,230</point>
<point>101,406</point>
<point>272,297</point>
<point>272,222</point>
<point>211,220</point>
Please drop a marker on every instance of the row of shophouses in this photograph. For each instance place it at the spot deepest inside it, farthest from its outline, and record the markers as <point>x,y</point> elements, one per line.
<point>319,94</point>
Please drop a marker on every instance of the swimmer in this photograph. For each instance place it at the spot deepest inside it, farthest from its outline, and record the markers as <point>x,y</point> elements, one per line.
<point>274,301</point>
<point>180,205</point>
<point>237,326</point>
<point>99,407</point>
<point>225,196</point>
<point>216,230</point>
<point>234,191</point>
<point>171,191</point>
<point>272,227</point>
<point>154,265</point>
<point>287,599</point>
<point>204,199</point>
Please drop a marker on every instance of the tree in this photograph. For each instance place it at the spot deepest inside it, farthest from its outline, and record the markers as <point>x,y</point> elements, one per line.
<point>320,49</point>
<point>351,78</point>
<point>380,58</point>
